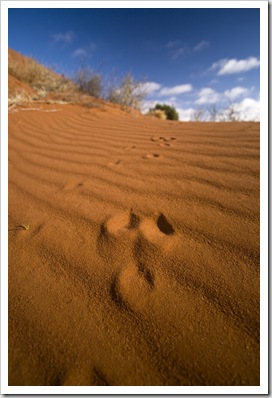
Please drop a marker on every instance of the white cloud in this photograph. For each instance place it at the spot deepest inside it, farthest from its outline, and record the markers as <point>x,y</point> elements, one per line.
<point>236,98</point>
<point>151,87</point>
<point>80,52</point>
<point>206,91</point>
<point>172,100</point>
<point>235,66</point>
<point>177,48</point>
<point>176,90</point>
<point>148,104</point>
<point>200,46</point>
<point>185,115</point>
<point>177,52</point>
<point>157,90</point>
<point>85,51</point>
<point>248,109</point>
<point>230,66</point>
<point>236,92</point>
<point>217,65</point>
<point>173,43</point>
<point>67,37</point>
<point>208,96</point>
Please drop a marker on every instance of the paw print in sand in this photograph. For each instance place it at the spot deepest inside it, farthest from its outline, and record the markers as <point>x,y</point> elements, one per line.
<point>135,244</point>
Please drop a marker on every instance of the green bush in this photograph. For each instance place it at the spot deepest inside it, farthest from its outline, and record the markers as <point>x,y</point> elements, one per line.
<point>170,111</point>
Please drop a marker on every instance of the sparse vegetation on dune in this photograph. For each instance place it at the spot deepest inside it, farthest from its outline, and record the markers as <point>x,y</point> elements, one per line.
<point>30,81</point>
<point>216,113</point>
<point>36,82</point>
<point>129,93</point>
<point>19,98</point>
<point>88,82</point>
<point>40,78</point>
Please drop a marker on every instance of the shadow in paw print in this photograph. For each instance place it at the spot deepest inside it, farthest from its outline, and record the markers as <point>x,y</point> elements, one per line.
<point>116,293</point>
<point>164,226</point>
<point>156,239</point>
<point>134,221</point>
<point>147,274</point>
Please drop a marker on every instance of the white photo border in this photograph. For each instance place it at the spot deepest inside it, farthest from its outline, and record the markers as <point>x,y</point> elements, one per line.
<point>141,390</point>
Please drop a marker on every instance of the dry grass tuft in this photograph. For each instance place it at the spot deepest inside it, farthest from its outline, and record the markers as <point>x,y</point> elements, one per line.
<point>19,99</point>
<point>38,76</point>
<point>33,82</point>
<point>158,114</point>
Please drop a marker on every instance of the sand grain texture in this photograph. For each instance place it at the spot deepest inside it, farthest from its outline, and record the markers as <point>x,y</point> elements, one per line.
<point>141,263</point>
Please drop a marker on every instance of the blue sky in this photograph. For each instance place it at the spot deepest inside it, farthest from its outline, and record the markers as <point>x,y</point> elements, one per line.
<point>189,58</point>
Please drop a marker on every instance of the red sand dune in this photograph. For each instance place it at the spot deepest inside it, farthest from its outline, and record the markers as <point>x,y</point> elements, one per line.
<point>141,262</point>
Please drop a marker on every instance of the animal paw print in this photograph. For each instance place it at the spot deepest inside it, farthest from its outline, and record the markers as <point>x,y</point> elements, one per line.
<point>151,156</point>
<point>163,141</point>
<point>138,244</point>
<point>131,287</point>
<point>72,184</point>
<point>127,148</point>
<point>116,237</point>
<point>115,163</point>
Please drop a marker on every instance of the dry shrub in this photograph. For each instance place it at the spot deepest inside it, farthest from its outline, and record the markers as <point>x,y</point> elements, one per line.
<point>89,82</point>
<point>158,114</point>
<point>47,84</point>
<point>19,98</point>
<point>129,94</point>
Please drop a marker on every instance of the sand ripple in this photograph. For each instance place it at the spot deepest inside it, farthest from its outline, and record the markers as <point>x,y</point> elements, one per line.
<point>141,263</point>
